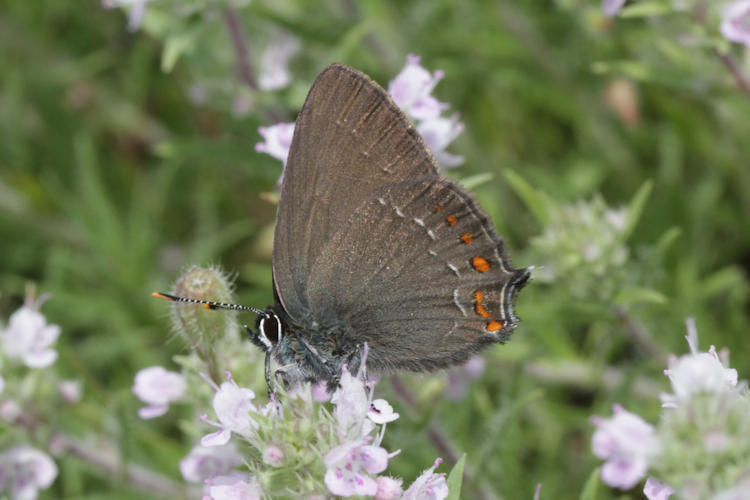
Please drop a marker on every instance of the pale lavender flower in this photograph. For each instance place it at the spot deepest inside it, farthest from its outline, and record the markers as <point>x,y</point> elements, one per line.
<point>205,463</point>
<point>656,490</point>
<point>411,90</point>
<point>274,62</point>
<point>157,387</point>
<point>233,406</point>
<point>349,465</point>
<point>627,443</point>
<point>242,104</point>
<point>381,412</point>
<point>29,337</point>
<point>278,140</point>
<point>9,410</point>
<point>352,407</point>
<point>233,487</point>
<point>319,392</point>
<point>696,373</point>
<point>24,471</point>
<point>389,488</point>
<point>429,485</point>
<point>135,15</point>
<point>735,22</point>
<point>460,376</point>
<point>70,391</point>
<point>610,8</point>
<point>537,491</point>
<point>438,133</point>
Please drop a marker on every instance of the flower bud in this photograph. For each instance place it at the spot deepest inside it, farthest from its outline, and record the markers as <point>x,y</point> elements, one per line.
<point>273,455</point>
<point>199,326</point>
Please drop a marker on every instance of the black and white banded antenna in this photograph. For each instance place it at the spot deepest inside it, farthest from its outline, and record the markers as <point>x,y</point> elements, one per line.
<point>208,304</point>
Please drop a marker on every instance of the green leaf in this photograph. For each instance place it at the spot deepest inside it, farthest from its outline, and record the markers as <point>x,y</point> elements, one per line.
<point>473,181</point>
<point>632,295</point>
<point>455,478</point>
<point>174,46</point>
<point>536,200</point>
<point>637,204</point>
<point>665,240</point>
<point>592,484</point>
<point>645,9</point>
<point>723,280</point>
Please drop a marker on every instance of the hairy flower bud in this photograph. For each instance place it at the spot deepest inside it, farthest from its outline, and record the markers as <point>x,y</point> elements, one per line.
<point>199,326</point>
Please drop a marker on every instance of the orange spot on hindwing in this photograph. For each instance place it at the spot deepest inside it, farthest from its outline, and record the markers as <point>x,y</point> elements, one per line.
<point>466,238</point>
<point>493,326</point>
<point>452,220</point>
<point>478,307</point>
<point>480,264</point>
<point>438,208</point>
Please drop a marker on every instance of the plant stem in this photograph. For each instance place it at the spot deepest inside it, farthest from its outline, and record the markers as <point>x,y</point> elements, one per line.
<point>242,55</point>
<point>109,464</point>
<point>442,442</point>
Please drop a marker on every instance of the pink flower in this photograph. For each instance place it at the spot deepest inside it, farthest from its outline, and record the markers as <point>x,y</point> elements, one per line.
<point>656,490</point>
<point>438,133</point>
<point>697,373</point>
<point>348,466</point>
<point>136,14</point>
<point>428,486</point>
<point>610,8</point>
<point>381,412</point>
<point>70,391</point>
<point>627,443</point>
<point>278,140</point>
<point>205,463</point>
<point>388,488</point>
<point>233,487</point>
<point>411,90</point>
<point>735,22</point>
<point>29,337</point>
<point>9,410</point>
<point>352,407</point>
<point>319,392</point>
<point>274,63</point>
<point>24,471</point>
<point>157,387</point>
<point>460,376</point>
<point>233,406</point>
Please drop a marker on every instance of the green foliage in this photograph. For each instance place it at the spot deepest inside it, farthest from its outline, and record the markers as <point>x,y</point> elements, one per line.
<point>113,182</point>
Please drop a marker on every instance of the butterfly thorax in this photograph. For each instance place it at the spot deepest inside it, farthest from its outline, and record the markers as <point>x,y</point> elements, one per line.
<point>307,352</point>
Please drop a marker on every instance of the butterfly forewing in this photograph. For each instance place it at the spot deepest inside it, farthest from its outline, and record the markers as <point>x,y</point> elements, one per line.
<point>350,140</point>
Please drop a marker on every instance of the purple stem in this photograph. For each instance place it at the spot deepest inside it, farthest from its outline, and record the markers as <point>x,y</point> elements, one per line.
<point>242,56</point>
<point>441,441</point>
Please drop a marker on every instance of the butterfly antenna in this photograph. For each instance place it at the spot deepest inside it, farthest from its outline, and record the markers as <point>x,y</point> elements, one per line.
<point>207,303</point>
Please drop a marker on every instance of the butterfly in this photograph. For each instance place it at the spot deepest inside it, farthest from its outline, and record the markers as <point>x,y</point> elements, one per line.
<point>374,246</point>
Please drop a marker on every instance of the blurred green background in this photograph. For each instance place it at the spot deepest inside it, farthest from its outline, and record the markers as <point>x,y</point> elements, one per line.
<point>113,181</point>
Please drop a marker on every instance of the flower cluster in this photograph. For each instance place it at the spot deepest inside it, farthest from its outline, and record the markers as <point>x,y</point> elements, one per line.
<point>411,90</point>
<point>24,471</point>
<point>26,357</point>
<point>734,24</point>
<point>583,244</point>
<point>300,448</point>
<point>703,428</point>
